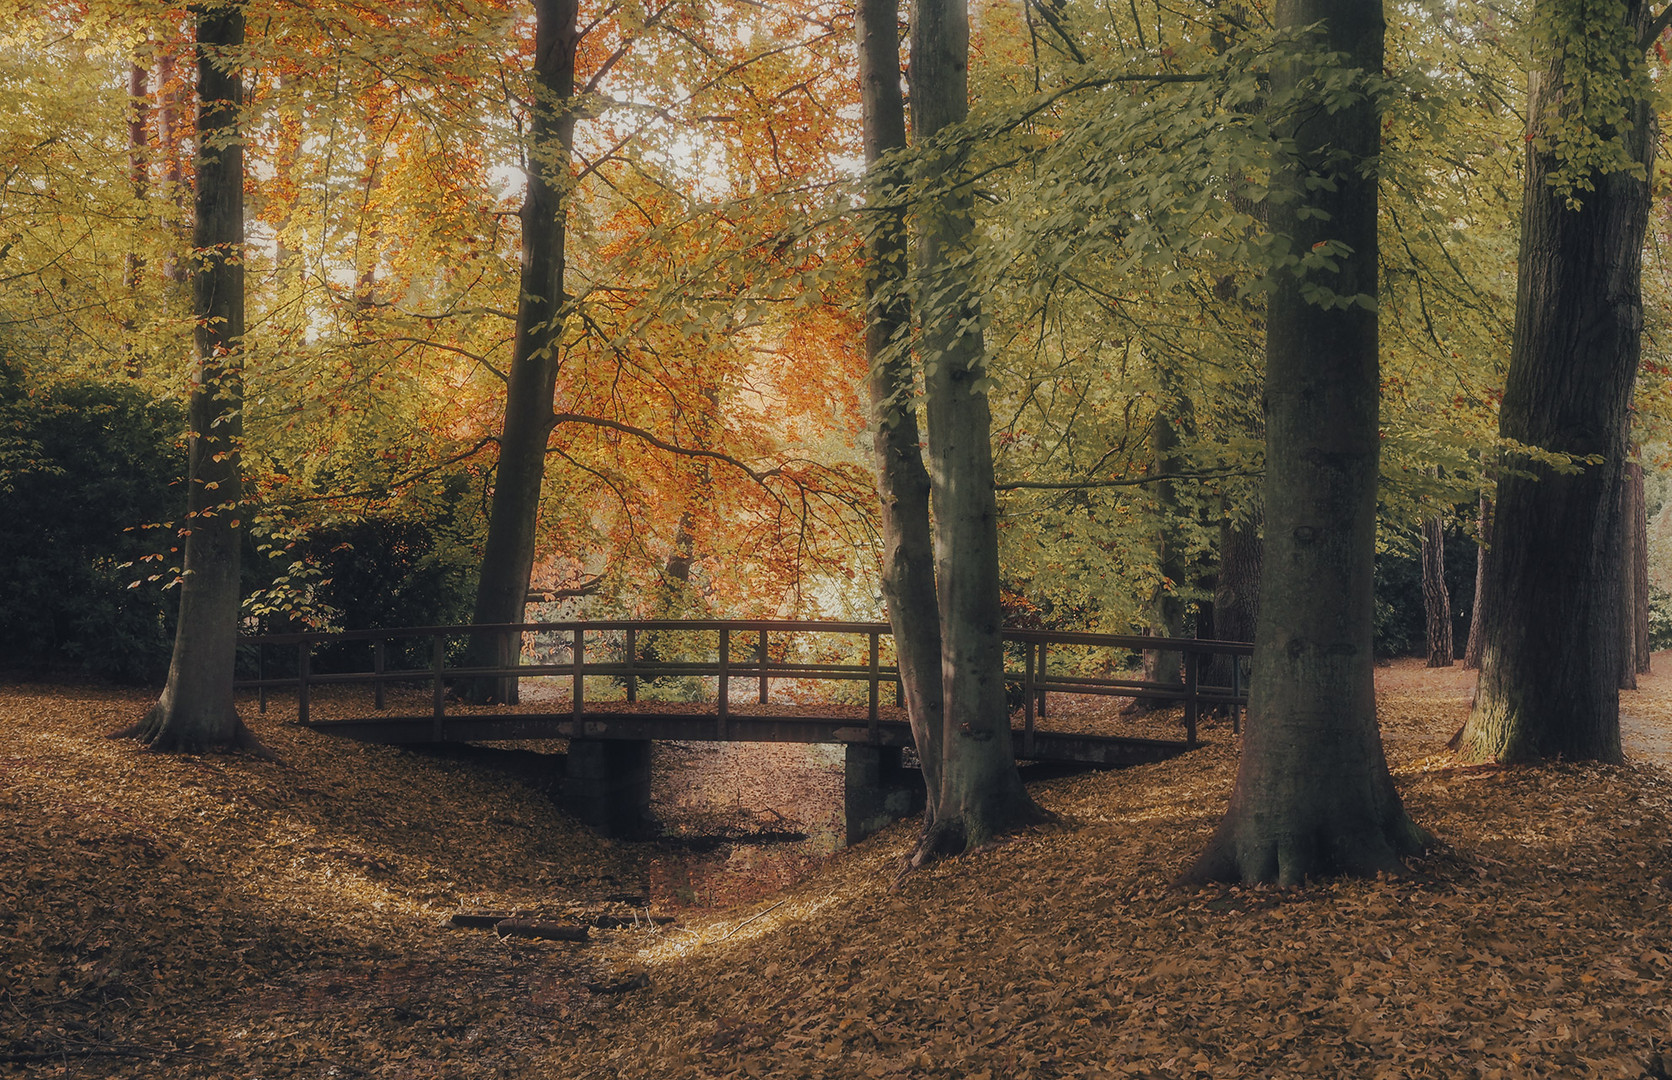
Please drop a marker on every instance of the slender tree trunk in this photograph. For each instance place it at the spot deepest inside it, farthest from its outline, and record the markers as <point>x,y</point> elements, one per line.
<point>1628,586</point>
<point>139,159</point>
<point>168,145</point>
<point>1436,598</point>
<point>908,558</point>
<point>981,792</point>
<point>1313,794</point>
<point>1551,663</point>
<point>508,556</point>
<point>1477,613</point>
<point>1236,593</point>
<point>1638,520</point>
<point>1167,605</point>
<point>196,710</point>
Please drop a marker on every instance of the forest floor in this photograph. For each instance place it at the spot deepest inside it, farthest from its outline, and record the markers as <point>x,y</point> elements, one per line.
<point>229,917</point>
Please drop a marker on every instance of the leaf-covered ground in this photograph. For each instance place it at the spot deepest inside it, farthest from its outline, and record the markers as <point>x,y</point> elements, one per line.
<point>228,917</point>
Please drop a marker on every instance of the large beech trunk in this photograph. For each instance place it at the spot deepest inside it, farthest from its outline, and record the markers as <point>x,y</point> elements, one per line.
<point>196,709</point>
<point>908,558</point>
<point>981,793</point>
<point>508,555</point>
<point>1313,794</point>
<point>1477,614</point>
<point>1551,657</point>
<point>1436,598</point>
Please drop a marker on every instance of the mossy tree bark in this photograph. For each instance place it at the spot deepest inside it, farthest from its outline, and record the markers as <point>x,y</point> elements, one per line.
<point>908,558</point>
<point>981,793</point>
<point>1313,795</point>
<point>508,554</point>
<point>1477,615</point>
<point>196,709</point>
<point>1552,644</point>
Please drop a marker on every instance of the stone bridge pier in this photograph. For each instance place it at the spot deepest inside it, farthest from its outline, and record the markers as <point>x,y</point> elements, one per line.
<point>606,786</point>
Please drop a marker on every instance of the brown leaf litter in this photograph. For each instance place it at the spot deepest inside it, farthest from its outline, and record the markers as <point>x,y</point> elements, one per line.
<point>226,917</point>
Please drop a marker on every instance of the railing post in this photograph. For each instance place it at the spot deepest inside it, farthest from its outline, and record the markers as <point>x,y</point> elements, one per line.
<point>577,654</point>
<point>377,670</point>
<point>438,660</point>
<point>632,658</point>
<point>261,678</point>
<point>1029,650</point>
<point>876,684</point>
<point>302,651</point>
<point>763,667</point>
<point>1039,677</point>
<point>725,679</point>
<point>1191,705</point>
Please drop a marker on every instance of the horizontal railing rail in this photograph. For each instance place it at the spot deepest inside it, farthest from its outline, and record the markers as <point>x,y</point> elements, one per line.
<point>743,651</point>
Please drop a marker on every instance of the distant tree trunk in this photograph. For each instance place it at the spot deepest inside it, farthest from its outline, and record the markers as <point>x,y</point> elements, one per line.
<point>1436,598</point>
<point>1236,593</point>
<point>196,710</point>
<point>1313,794</point>
<point>139,159</point>
<point>1551,663</point>
<point>1167,609</point>
<point>981,792</point>
<point>908,557</point>
<point>168,144</point>
<point>1628,586</point>
<point>508,555</point>
<point>1639,525</point>
<point>1477,617</point>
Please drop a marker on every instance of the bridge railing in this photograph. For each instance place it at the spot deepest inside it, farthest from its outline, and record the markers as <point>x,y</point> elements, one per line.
<point>747,651</point>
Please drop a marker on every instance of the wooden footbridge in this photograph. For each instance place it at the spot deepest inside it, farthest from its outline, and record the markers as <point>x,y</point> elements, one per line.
<point>612,687</point>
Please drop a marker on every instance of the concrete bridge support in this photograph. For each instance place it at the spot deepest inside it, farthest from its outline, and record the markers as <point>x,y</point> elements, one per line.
<point>607,785</point>
<point>878,790</point>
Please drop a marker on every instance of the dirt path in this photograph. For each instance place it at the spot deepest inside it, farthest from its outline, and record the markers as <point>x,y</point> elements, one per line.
<point>1645,713</point>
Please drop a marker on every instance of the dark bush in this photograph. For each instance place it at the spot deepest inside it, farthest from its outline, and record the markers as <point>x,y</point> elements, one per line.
<point>83,465</point>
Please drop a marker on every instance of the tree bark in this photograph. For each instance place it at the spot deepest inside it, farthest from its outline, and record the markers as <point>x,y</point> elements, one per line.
<point>981,792</point>
<point>1436,598</point>
<point>1551,660</point>
<point>1236,593</point>
<point>196,710</point>
<point>1166,606</point>
<point>908,558</point>
<point>508,554</point>
<point>1313,794</point>
<point>1477,616</point>
<point>1639,525</point>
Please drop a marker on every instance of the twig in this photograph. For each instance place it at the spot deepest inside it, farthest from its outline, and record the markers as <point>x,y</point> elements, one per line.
<point>747,921</point>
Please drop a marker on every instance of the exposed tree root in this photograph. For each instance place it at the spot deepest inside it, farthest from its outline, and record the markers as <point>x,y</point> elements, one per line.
<point>1252,853</point>
<point>153,730</point>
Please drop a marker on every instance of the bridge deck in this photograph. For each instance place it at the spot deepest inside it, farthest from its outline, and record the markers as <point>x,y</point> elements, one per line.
<point>821,724</point>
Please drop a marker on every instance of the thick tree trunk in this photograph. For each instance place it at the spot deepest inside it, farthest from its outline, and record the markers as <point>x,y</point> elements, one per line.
<point>1477,613</point>
<point>196,709</point>
<point>908,557</point>
<point>1313,794</point>
<point>508,555</point>
<point>981,792</point>
<point>1436,598</point>
<point>1551,661</point>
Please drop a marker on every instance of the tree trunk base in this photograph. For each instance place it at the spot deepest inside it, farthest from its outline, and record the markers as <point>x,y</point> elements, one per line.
<point>1294,851</point>
<point>156,733</point>
<point>971,832</point>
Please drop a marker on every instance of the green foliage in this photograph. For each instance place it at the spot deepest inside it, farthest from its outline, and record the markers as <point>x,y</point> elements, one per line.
<point>83,465</point>
<point>1660,619</point>
<point>1602,71</point>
